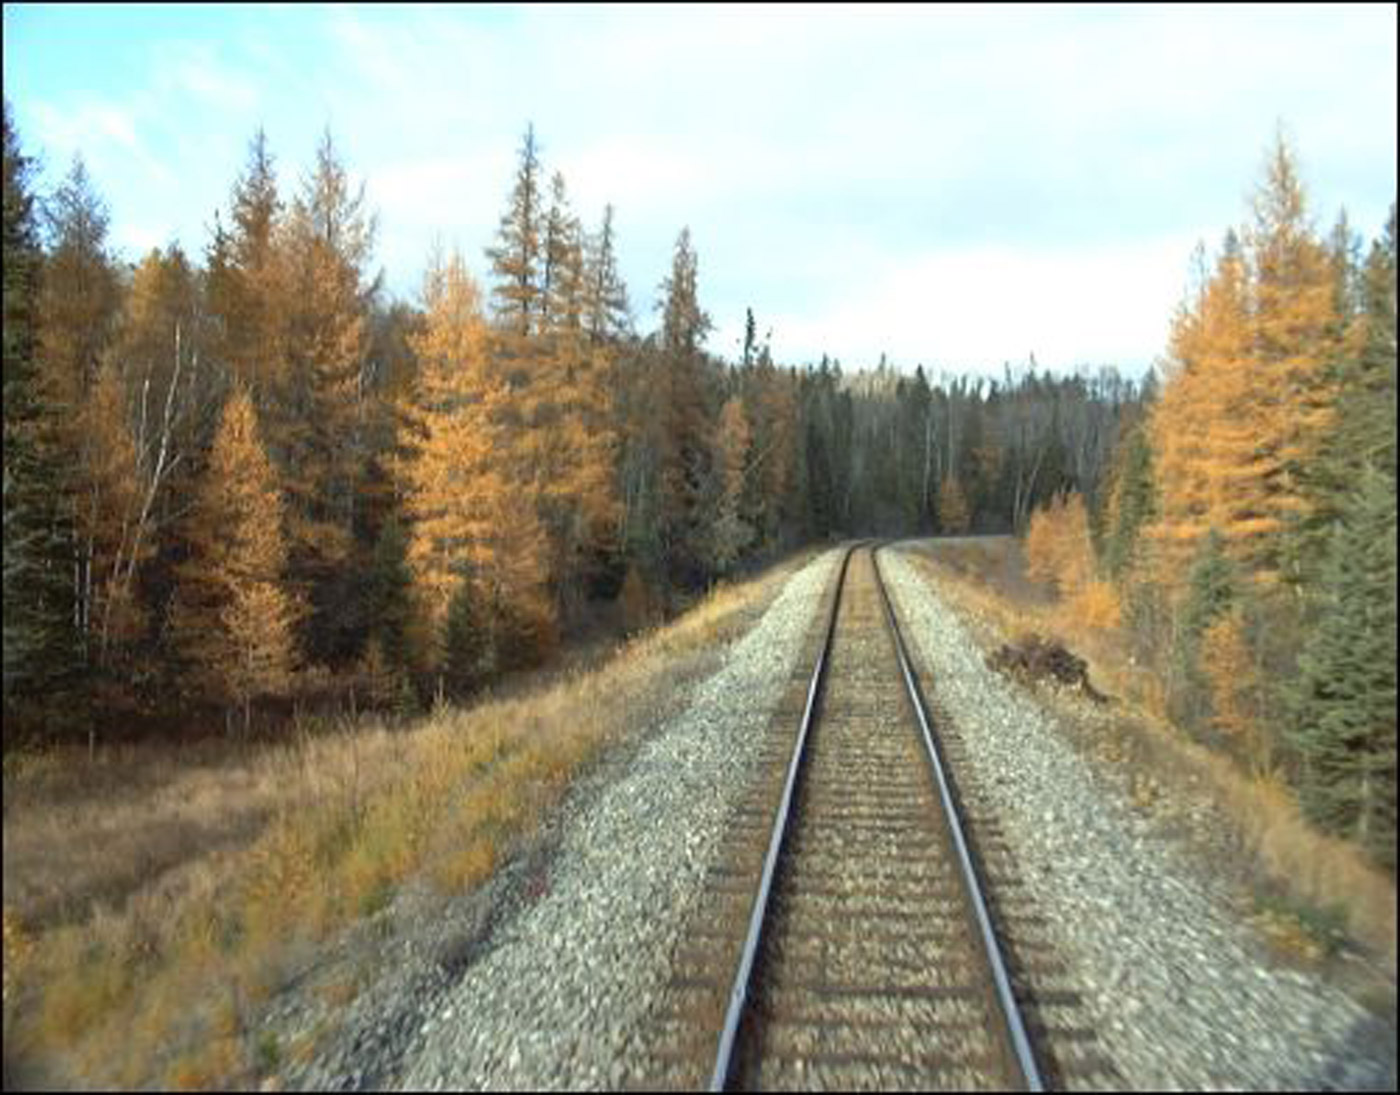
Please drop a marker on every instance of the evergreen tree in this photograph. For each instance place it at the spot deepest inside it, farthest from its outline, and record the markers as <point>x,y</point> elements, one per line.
<point>465,651</point>
<point>1130,504</point>
<point>1212,589</point>
<point>1345,724</point>
<point>38,637</point>
<point>685,453</point>
<point>1362,433</point>
<point>389,599</point>
<point>567,438</point>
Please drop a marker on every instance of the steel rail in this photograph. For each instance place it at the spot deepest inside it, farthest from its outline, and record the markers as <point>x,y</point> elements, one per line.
<point>738,994</point>
<point>1006,999</point>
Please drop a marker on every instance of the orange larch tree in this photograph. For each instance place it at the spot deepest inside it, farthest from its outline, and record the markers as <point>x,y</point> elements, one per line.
<point>470,524</point>
<point>1247,396</point>
<point>233,619</point>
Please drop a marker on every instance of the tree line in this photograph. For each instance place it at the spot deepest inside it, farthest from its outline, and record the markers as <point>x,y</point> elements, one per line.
<point>1248,521</point>
<point>254,477</point>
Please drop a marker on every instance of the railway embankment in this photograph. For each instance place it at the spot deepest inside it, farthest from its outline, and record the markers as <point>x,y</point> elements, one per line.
<point>551,990</point>
<point>1186,997</point>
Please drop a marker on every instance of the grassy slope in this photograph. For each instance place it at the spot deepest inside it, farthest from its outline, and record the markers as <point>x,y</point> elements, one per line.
<point>154,900</point>
<point>1300,876</point>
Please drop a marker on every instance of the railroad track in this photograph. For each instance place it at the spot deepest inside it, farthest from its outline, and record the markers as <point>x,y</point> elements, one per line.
<point>844,940</point>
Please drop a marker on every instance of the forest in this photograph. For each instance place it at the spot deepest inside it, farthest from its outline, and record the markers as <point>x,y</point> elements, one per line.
<point>250,481</point>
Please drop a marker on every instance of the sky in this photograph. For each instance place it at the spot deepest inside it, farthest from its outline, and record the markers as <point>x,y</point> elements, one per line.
<point>958,187</point>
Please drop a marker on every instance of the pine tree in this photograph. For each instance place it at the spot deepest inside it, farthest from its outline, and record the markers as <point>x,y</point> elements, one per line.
<point>1362,433</point>
<point>1344,724</point>
<point>774,415</point>
<point>465,646</point>
<point>38,637</point>
<point>567,438</point>
<point>389,600</point>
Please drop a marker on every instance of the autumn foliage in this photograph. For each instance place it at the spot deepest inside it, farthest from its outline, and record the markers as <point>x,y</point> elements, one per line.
<point>1058,549</point>
<point>233,618</point>
<point>255,474</point>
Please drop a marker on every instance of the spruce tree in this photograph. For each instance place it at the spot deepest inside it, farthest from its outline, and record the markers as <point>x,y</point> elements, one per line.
<point>1344,723</point>
<point>38,634</point>
<point>685,450</point>
<point>388,599</point>
<point>1130,503</point>
<point>465,641</point>
<point>1212,588</point>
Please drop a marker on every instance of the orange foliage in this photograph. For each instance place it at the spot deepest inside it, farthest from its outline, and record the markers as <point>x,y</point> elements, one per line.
<point>1246,398</point>
<point>1058,548</point>
<point>232,618</point>
<point>107,512</point>
<point>1096,605</point>
<point>468,516</point>
<point>1235,684</point>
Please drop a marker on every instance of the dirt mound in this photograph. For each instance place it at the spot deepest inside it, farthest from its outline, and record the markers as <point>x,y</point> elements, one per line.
<point>1034,658</point>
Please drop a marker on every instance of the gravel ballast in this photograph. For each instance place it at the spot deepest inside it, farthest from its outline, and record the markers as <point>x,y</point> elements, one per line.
<point>1182,998</point>
<point>557,999</point>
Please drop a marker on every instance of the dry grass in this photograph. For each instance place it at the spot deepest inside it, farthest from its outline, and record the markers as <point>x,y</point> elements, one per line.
<point>154,901</point>
<point>1288,856</point>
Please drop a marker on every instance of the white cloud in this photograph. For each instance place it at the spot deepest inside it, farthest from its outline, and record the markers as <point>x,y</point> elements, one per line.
<point>979,306</point>
<point>106,134</point>
<point>920,180</point>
